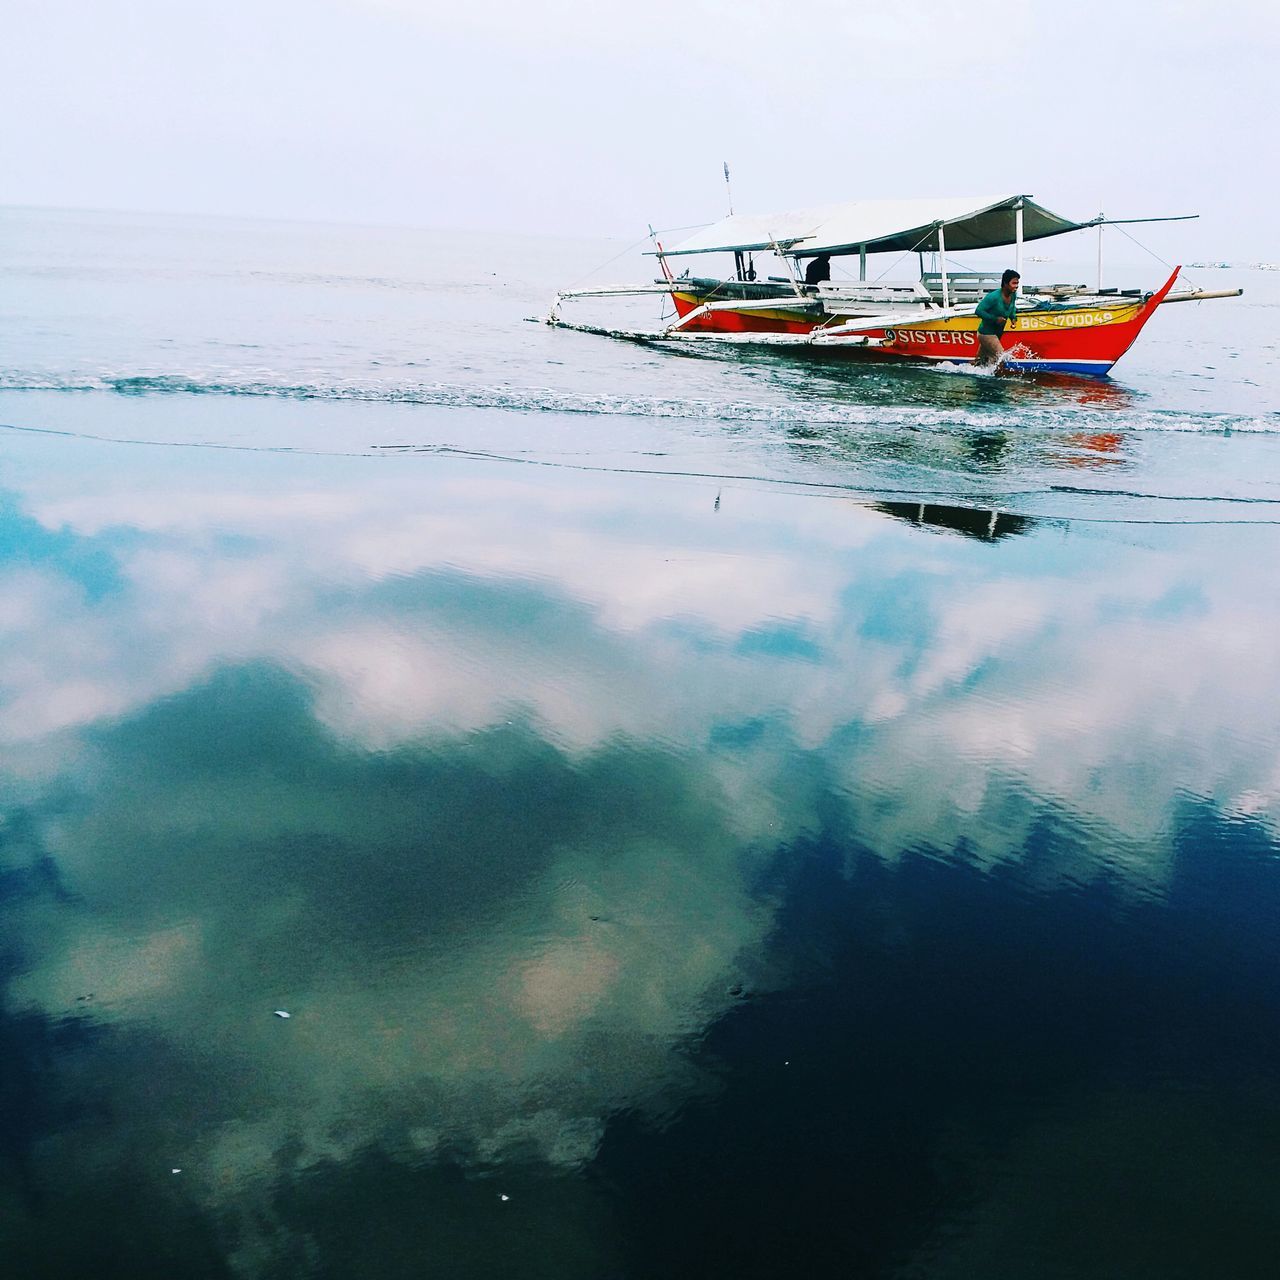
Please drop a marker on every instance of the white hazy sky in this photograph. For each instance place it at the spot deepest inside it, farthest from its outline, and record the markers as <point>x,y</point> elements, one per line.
<point>574,117</point>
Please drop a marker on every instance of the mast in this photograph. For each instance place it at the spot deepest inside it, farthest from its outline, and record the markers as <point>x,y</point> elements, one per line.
<point>1101,216</point>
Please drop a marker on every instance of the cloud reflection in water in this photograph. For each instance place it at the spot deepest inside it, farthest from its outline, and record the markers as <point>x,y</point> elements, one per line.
<point>493,782</point>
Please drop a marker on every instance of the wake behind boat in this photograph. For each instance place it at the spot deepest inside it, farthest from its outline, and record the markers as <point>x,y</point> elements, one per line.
<point>1064,328</point>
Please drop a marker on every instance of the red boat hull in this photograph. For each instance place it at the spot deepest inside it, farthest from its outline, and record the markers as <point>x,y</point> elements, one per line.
<point>1087,339</point>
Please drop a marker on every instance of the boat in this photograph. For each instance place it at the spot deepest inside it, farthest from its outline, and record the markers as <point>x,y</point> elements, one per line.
<point>930,318</point>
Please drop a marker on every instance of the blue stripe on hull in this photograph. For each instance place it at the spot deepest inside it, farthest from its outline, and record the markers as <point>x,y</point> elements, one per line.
<point>1089,368</point>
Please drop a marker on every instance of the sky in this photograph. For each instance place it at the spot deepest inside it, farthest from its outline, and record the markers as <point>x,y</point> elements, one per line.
<point>575,118</point>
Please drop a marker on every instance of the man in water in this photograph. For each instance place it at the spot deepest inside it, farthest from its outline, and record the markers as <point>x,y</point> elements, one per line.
<point>994,312</point>
<point>818,270</point>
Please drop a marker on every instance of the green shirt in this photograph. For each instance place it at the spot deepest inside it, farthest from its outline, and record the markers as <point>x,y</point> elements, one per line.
<point>993,311</point>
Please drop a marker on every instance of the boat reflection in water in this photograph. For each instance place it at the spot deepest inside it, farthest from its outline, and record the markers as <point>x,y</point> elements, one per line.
<point>987,524</point>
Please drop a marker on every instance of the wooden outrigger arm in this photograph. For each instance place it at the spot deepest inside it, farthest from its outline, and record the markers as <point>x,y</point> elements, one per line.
<point>786,302</point>
<point>618,291</point>
<point>852,332</point>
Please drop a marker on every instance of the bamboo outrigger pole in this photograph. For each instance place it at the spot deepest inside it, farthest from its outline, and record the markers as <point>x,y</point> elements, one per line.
<point>788,263</point>
<point>1199,295</point>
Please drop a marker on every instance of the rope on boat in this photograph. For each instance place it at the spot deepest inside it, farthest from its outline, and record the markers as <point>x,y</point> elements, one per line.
<point>631,248</point>
<point>1167,265</point>
<point>904,254</point>
<point>693,226</point>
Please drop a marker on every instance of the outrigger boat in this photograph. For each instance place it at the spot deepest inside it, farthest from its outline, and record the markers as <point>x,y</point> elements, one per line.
<point>1065,328</point>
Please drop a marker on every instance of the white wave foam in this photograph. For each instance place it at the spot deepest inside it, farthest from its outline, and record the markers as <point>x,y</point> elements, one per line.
<point>963,370</point>
<point>1067,414</point>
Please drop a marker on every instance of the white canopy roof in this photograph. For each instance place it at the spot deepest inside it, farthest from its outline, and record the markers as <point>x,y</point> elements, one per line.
<point>972,222</point>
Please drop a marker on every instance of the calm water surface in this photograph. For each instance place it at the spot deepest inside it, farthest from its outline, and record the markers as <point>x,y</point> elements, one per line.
<point>703,814</point>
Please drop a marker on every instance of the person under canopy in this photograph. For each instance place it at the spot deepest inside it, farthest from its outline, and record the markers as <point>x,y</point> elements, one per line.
<point>818,270</point>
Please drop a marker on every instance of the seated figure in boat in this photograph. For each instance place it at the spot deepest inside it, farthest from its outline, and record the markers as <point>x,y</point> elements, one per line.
<point>818,270</point>
<point>995,311</point>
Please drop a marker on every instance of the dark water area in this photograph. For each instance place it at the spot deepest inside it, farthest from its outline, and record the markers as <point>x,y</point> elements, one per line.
<point>702,814</point>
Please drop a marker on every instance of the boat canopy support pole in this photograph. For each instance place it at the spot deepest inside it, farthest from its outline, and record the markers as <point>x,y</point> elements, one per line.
<point>1017,237</point>
<point>942,263</point>
<point>1101,216</point>
<point>862,262</point>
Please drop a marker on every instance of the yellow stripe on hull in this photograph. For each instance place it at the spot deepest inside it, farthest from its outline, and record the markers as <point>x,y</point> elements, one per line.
<point>1036,321</point>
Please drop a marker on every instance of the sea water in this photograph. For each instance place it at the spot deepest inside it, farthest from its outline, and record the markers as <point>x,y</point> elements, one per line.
<point>704,811</point>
